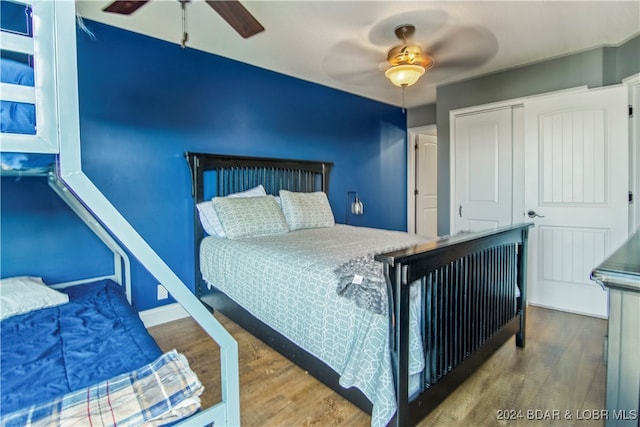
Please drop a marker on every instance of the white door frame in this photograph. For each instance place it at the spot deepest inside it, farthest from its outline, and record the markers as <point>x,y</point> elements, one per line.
<point>633,83</point>
<point>412,134</point>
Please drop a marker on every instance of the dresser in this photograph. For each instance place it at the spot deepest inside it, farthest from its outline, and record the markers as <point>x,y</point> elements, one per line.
<point>620,274</point>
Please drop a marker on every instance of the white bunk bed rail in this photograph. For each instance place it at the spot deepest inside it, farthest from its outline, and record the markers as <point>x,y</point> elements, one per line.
<point>43,93</point>
<point>55,96</point>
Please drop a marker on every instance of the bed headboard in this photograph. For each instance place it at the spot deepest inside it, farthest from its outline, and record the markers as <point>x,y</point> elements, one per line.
<point>219,175</point>
<point>232,174</point>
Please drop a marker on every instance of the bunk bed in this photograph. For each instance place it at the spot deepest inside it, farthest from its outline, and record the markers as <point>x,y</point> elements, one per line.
<point>78,352</point>
<point>392,322</point>
<point>69,347</point>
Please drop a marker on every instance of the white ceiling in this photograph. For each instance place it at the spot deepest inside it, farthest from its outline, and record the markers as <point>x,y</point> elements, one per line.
<point>343,44</point>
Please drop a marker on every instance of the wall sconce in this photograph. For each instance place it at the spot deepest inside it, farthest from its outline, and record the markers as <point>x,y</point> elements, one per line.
<point>354,205</point>
<point>357,208</point>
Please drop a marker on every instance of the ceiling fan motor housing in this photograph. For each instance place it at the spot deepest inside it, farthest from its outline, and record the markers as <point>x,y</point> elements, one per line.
<point>408,53</point>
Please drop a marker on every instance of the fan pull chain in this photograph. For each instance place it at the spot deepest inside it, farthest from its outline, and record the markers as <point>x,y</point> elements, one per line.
<point>185,35</point>
<point>404,110</point>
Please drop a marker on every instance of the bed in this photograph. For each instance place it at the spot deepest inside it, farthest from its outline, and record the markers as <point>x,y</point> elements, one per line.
<point>78,351</point>
<point>391,321</point>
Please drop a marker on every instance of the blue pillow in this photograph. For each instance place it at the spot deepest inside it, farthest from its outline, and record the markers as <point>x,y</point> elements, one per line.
<point>15,72</point>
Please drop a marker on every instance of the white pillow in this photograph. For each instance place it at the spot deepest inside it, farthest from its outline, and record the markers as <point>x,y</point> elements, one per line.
<point>209,218</point>
<point>19,295</point>
<point>306,210</point>
<point>250,216</point>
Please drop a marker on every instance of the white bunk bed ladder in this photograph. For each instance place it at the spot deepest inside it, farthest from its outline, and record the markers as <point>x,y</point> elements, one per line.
<point>121,264</point>
<point>55,96</point>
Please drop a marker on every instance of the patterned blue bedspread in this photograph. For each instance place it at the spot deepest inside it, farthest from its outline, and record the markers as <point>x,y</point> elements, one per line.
<point>161,392</point>
<point>289,282</point>
<point>51,352</point>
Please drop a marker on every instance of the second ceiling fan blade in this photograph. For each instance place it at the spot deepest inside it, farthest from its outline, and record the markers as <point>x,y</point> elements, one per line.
<point>125,7</point>
<point>237,16</point>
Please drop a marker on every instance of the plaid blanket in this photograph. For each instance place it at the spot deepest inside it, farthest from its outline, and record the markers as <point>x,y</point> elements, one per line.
<point>163,391</point>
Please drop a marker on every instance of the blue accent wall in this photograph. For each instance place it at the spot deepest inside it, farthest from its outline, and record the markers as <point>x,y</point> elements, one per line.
<point>41,236</point>
<point>145,102</point>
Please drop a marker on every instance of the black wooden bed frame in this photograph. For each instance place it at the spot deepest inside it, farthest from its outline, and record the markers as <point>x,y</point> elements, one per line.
<point>467,285</point>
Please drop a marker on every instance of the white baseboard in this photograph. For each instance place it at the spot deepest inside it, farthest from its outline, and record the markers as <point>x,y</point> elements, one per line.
<point>581,313</point>
<point>163,314</point>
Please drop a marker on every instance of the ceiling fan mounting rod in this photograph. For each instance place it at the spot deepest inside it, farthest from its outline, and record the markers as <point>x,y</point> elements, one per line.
<point>185,35</point>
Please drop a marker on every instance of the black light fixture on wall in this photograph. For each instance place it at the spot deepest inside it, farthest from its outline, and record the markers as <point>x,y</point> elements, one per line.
<point>354,205</point>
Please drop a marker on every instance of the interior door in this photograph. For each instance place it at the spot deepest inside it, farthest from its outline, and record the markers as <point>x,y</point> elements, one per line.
<point>576,190</point>
<point>483,171</point>
<point>426,185</point>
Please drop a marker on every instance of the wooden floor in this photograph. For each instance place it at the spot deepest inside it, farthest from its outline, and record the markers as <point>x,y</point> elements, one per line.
<point>558,379</point>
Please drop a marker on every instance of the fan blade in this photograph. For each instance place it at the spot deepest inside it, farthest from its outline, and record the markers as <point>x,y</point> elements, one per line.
<point>464,47</point>
<point>459,50</point>
<point>237,16</point>
<point>124,7</point>
<point>352,62</point>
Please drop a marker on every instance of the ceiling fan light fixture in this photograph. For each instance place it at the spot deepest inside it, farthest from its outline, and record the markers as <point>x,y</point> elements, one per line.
<point>404,74</point>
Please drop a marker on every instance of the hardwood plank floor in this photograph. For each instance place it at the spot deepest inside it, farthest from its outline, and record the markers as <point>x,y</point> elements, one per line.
<point>560,376</point>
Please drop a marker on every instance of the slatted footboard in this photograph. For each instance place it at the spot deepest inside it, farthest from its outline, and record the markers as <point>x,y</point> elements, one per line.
<point>473,299</point>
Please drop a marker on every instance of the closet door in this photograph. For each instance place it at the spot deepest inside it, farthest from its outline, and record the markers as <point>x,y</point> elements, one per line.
<point>576,191</point>
<point>482,170</point>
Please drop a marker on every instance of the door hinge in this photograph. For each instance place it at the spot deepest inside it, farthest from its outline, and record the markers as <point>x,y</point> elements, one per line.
<point>415,147</point>
<point>630,197</point>
<point>416,192</point>
<point>630,110</point>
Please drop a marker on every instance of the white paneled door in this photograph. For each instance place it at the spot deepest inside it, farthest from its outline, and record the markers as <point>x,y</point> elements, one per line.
<point>483,170</point>
<point>576,192</point>
<point>426,185</point>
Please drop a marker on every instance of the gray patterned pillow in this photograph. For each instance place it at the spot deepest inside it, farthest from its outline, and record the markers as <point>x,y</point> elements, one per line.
<point>250,216</point>
<point>306,210</point>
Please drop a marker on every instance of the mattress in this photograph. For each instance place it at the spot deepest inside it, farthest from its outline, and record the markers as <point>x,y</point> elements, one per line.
<point>17,117</point>
<point>53,351</point>
<point>289,282</point>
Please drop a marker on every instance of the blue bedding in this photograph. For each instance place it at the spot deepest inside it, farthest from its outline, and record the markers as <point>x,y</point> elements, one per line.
<point>26,162</point>
<point>53,351</point>
<point>17,117</point>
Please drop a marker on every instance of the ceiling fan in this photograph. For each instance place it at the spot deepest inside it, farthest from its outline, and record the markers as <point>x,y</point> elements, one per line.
<point>446,48</point>
<point>408,62</point>
<point>231,11</point>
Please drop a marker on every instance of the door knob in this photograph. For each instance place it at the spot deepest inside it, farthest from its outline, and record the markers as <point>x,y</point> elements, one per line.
<point>533,214</point>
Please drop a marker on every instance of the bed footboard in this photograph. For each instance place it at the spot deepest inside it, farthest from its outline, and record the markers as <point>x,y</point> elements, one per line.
<point>473,299</point>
